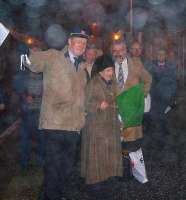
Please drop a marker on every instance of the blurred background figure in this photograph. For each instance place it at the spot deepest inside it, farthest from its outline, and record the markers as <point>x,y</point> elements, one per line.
<point>2,107</point>
<point>29,87</point>
<point>136,50</point>
<point>2,101</point>
<point>9,104</point>
<point>163,90</point>
<point>90,56</point>
<point>136,53</point>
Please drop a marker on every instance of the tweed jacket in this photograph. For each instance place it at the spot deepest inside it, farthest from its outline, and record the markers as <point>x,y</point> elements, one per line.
<point>63,90</point>
<point>100,147</point>
<point>136,74</point>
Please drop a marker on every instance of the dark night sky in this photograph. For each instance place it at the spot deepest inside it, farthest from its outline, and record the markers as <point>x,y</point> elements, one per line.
<point>37,16</point>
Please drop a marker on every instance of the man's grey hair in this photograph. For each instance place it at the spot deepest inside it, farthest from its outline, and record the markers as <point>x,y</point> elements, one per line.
<point>115,42</point>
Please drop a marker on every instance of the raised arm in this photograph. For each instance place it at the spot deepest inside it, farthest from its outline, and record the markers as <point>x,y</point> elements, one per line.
<point>39,60</point>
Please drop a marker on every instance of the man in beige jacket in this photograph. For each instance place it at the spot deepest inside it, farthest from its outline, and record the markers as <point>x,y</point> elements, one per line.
<point>129,72</point>
<point>62,111</point>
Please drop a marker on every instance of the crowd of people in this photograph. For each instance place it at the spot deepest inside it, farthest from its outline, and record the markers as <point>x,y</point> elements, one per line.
<point>68,100</point>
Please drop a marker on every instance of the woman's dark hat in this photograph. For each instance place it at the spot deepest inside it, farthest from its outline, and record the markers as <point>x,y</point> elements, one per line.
<point>103,62</point>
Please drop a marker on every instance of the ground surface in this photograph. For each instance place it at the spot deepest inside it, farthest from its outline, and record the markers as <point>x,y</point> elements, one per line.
<point>165,165</point>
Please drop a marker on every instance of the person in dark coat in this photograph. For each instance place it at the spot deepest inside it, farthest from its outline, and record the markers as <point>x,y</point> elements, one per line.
<point>28,86</point>
<point>163,90</point>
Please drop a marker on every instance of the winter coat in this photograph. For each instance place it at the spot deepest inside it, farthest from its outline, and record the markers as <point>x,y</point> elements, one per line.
<point>63,90</point>
<point>101,145</point>
<point>164,86</point>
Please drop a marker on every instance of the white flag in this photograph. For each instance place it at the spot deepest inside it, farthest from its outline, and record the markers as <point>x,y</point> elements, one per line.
<point>138,166</point>
<point>24,61</point>
<point>3,33</point>
<point>147,104</point>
